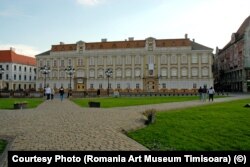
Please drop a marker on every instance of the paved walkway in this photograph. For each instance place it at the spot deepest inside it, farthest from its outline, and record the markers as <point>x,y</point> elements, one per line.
<point>56,125</point>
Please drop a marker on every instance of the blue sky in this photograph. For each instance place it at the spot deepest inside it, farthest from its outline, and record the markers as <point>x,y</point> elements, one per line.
<point>32,26</point>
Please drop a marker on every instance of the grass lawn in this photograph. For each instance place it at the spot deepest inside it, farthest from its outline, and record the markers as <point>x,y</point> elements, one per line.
<point>3,144</point>
<point>109,102</point>
<point>222,126</point>
<point>7,103</point>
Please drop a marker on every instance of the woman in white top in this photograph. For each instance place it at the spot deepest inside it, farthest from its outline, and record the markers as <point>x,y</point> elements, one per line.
<point>211,92</point>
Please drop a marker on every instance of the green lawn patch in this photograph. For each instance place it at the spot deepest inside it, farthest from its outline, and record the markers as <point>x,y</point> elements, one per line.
<point>3,144</point>
<point>132,101</point>
<point>7,103</point>
<point>221,126</point>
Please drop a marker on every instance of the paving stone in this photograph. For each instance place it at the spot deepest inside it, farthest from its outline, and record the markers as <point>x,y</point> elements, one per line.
<point>56,125</point>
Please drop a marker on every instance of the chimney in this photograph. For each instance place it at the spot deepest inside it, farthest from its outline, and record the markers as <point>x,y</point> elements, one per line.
<point>61,43</point>
<point>193,40</point>
<point>104,40</point>
<point>217,50</point>
<point>130,38</point>
<point>186,36</point>
<point>12,49</point>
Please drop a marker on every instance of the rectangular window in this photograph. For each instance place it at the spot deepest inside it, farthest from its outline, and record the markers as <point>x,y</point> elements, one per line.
<point>20,77</point>
<point>137,86</point>
<point>128,59</point>
<point>100,86</point>
<point>118,86</point>
<point>91,61</point>
<point>194,85</point>
<point>118,60</point>
<point>91,86</point>
<point>109,85</point>
<point>30,78</point>
<point>204,59</point>
<point>69,62</point>
<point>62,63</point>
<point>164,86</point>
<point>55,63</point>
<point>194,59</point>
<point>80,62</point>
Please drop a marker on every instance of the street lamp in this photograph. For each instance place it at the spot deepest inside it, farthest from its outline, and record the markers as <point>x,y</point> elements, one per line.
<point>108,73</point>
<point>70,71</point>
<point>45,70</point>
<point>1,72</point>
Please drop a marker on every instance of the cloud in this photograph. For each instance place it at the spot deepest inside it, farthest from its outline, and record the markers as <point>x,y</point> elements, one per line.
<point>89,2</point>
<point>21,49</point>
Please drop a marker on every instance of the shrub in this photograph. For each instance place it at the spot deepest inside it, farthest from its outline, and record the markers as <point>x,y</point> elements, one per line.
<point>150,115</point>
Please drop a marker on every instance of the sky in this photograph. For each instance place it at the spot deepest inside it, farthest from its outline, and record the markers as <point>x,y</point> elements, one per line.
<point>32,26</point>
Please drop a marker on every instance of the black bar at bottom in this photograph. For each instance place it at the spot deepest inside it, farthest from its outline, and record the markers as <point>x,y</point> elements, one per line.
<point>127,158</point>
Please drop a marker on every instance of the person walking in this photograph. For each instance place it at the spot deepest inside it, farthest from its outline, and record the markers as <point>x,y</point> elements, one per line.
<point>61,92</point>
<point>52,93</point>
<point>200,93</point>
<point>211,93</point>
<point>204,93</point>
<point>48,92</point>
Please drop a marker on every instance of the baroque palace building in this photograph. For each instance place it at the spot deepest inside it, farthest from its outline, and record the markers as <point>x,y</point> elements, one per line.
<point>18,71</point>
<point>232,63</point>
<point>149,65</point>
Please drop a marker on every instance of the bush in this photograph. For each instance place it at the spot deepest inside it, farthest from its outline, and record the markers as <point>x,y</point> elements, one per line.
<point>150,115</point>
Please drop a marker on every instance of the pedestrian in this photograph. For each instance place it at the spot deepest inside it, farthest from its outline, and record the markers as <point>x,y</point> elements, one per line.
<point>204,93</point>
<point>52,93</point>
<point>48,92</point>
<point>211,93</point>
<point>200,93</point>
<point>61,92</point>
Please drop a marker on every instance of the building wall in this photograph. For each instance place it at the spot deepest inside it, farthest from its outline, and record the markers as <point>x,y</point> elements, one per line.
<point>176,67</point>
<point>12,72</point>
<point>233,68</point>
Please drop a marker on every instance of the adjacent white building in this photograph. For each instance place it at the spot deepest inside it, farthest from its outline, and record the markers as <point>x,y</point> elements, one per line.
<point>149,65</point>
<point>19,71</point>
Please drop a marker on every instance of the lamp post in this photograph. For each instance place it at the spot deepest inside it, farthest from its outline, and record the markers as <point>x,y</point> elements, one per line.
<point>1,72</point>
<point>70,71</point>
<point>45,70</point>
<point>108,73</point>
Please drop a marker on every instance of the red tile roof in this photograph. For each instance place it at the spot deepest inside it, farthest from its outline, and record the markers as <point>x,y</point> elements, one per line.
<point>9,56</point>
<point>172,42</point>
<point>116,45</point>
<point>123,44</point>
<point>63,47</point>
